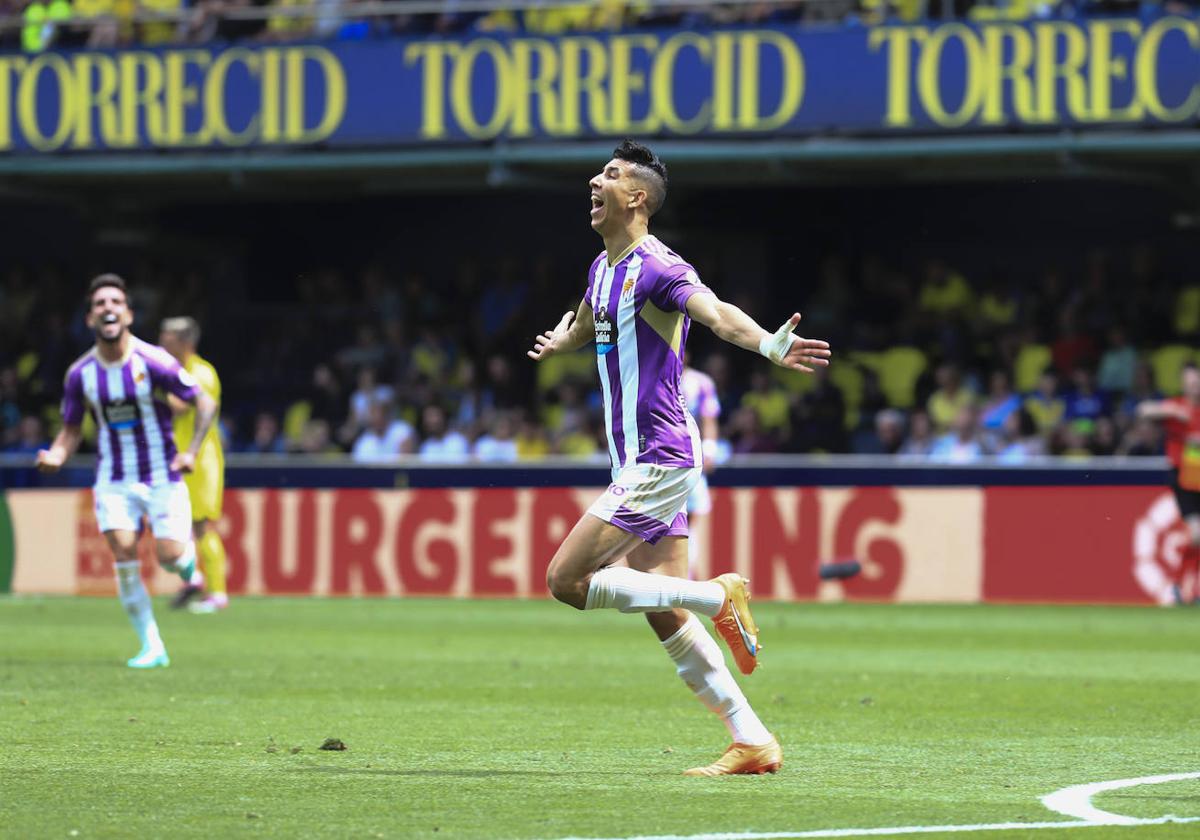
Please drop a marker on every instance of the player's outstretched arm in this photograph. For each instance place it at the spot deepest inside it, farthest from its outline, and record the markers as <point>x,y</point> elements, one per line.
<point>64,446</point>
<point>206,413</point>
<point>782,347</point>
<point>1162,410</point>
<point>574,331</point>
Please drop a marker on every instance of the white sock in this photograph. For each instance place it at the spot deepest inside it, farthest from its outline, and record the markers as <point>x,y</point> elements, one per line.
<point>136,601</point>
<point>186,567</point>
<point>629,591</point>
<point>699,662</point>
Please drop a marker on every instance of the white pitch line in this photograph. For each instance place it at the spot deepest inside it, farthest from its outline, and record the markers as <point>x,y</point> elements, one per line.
<point>1076,801</point>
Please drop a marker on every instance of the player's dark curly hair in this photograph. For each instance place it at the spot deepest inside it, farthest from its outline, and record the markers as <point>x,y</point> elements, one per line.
<point>102,281</point>
<point>651,170</point>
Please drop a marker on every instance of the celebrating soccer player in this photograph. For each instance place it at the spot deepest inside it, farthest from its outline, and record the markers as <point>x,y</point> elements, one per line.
<point>629,552</point>
<point>123,381</point>
<point>1181,416</point>
<point>206,483</point>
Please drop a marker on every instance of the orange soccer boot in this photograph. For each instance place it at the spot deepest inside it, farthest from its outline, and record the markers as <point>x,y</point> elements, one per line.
<point>735,624</point>
<point>743,760</point>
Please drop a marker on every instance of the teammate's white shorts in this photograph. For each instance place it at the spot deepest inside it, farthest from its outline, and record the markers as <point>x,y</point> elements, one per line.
<point>120,506</point>
<point>699,501</point>
<point>648,500</point>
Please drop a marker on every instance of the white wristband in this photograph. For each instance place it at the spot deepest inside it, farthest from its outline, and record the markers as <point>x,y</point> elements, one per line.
<point>776,345</point>
<point>708,447</point>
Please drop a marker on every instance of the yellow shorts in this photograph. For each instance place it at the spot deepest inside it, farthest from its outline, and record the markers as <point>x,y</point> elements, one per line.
<point>206,486</point>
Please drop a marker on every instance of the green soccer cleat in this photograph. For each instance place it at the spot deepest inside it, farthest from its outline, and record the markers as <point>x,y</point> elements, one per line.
<point>150,657</point>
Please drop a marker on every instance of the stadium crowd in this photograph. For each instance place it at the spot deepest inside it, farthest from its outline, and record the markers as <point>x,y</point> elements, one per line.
<point>36,25</point>
<point>929,364</point>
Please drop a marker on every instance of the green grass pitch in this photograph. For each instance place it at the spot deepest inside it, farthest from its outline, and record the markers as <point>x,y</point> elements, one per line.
<point>499,719</point>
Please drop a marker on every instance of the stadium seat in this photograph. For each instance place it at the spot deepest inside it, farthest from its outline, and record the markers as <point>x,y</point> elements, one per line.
<point>1032,360</point>
<point>1167,362</point>
<point>1187,311</point>
<point>899,370</point>
<point>849,380</point>
<point>26,365</point>
<point>555,369</point>
<point>790,382</point>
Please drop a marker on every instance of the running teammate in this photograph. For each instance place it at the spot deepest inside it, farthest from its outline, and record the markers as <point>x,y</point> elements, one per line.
<point>629,552</point>
<point>123,381</point>
<point>206,483</point>
<point>700,394</point>
<point>1181,421</point>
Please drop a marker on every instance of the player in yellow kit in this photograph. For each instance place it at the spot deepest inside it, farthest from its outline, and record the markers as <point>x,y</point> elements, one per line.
<point>206,484</point>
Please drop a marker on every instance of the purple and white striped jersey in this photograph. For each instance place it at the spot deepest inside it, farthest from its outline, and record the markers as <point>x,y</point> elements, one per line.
<point>700,394</point>
<point>133,419</point>
<point>640,309</point>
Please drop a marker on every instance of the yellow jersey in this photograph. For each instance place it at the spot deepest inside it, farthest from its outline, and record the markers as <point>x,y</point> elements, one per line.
<point>185,423</point>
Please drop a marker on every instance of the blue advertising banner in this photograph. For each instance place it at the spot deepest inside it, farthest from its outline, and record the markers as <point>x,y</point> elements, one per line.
<point>767,82</point>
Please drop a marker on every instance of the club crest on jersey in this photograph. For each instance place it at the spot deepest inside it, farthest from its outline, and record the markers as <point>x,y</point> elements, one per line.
<point>606,331</point>
<point>627,287</point>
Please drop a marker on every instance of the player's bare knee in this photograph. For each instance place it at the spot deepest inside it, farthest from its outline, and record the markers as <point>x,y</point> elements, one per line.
<point>567,588</point>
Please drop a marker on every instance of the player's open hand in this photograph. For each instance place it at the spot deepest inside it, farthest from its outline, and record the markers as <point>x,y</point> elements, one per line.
<point>549,343</point>
<point>49,460</point>
<point>794,352</point>
<point>183,462</point>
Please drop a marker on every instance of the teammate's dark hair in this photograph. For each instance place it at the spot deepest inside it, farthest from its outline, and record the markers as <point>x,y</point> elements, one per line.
<point>1189,366</point>
<point>649,168</point>
<point>102,281</point>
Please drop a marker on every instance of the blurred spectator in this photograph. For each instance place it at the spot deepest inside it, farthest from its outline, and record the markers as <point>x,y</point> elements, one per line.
<point>1020,440</point>
<point>921,437</point>
<point>384,438</point>
<point>769,402</point>
<point>438,441</point>
<point>963,444</point>
<point>951,397</point>
<point>1044,405</point>
<point>1141,390</point>
<point>317,439</point>
<point>498,444</point>
<point>267,438</point>
<point>1001,402</point>
<point>325,396</point>
<point>368,392</point>
<point>944,293</point>
<point>1084,402</point>
<point>30,437</point>
<point>1118,363</point>
<point>10,405</point>
<point>532,443</point>
<point>1143,438</point>
<point>1073,348</point>
<point>818,421</point>
<point>888,437</point>
<point>748,436</point>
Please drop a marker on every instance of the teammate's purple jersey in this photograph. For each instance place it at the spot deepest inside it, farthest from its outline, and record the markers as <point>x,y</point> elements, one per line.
<point>700,393</point>
<point>640,309</point>
<point>133,419</point>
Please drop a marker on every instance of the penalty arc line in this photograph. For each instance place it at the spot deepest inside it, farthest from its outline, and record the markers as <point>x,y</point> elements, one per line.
<point>1074,801</point>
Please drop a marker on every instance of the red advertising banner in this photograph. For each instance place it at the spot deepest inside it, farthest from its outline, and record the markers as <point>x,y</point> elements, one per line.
<point>1081,544</point>
<point>953,544</point>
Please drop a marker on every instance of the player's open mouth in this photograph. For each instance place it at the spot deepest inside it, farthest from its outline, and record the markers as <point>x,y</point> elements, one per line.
<point>110,318</point>
<point>597,204</point>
